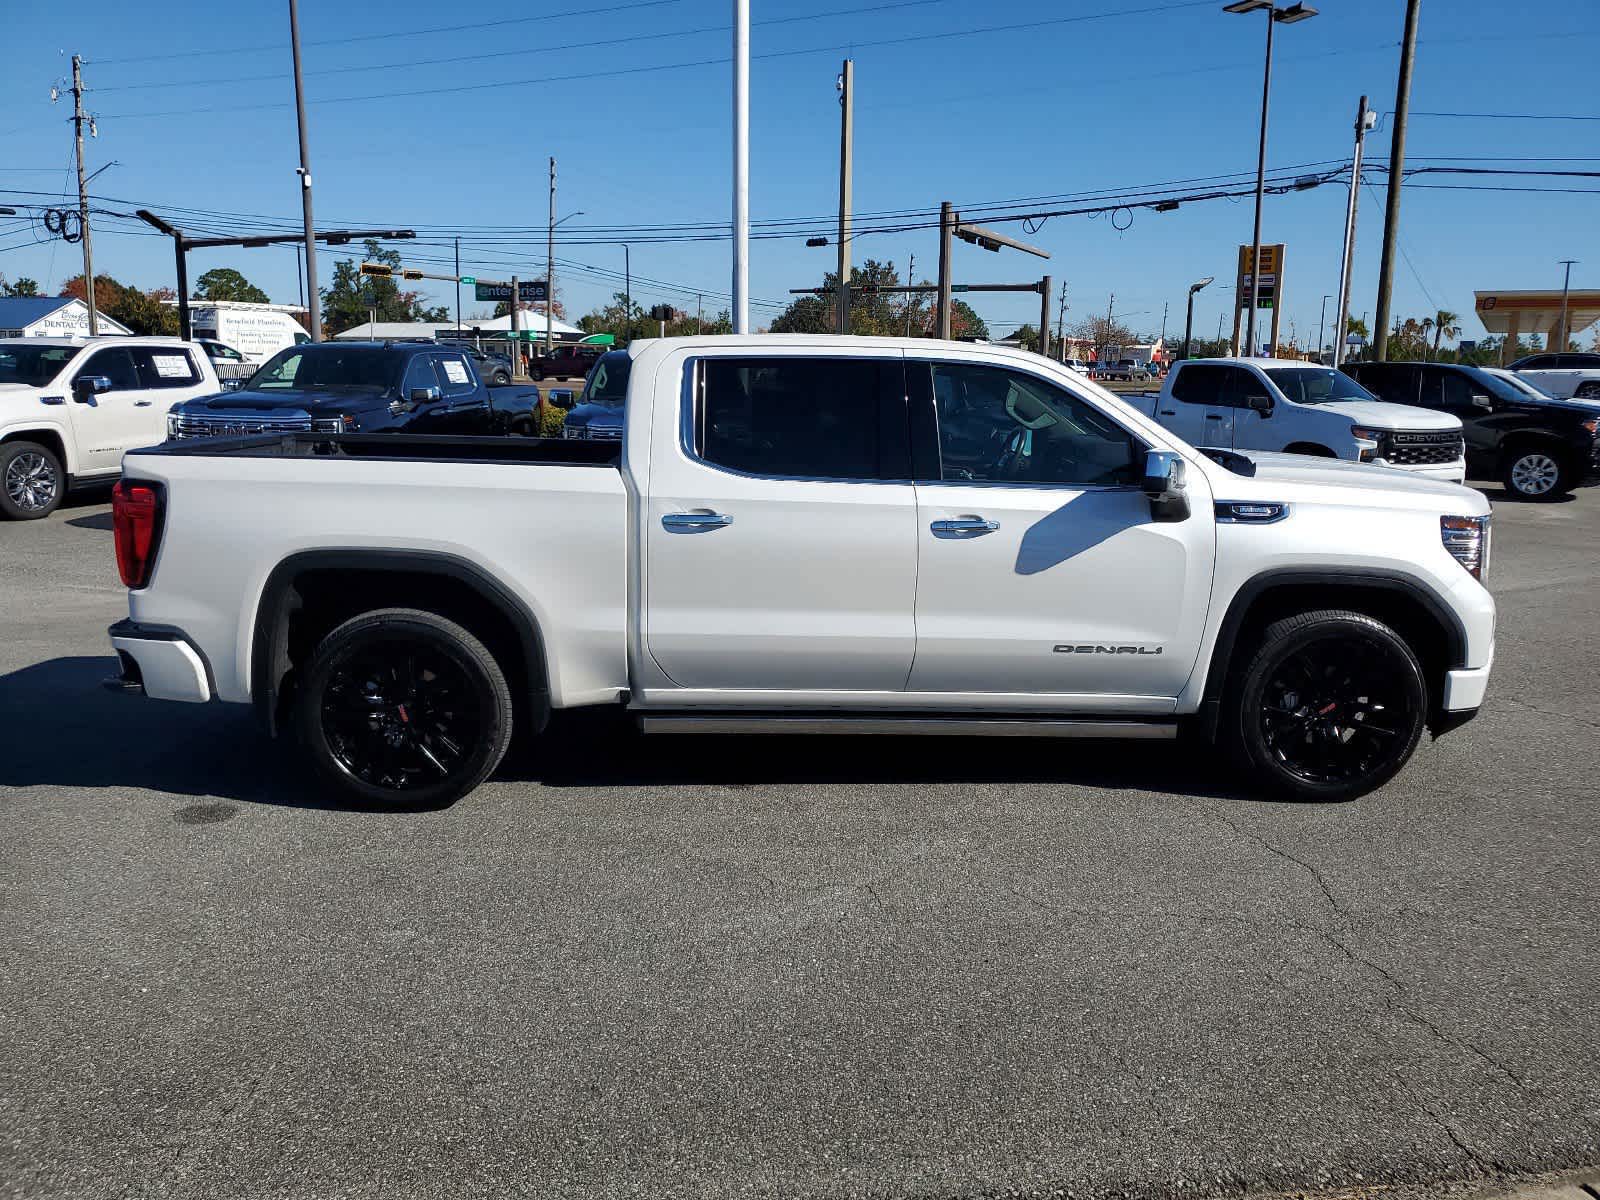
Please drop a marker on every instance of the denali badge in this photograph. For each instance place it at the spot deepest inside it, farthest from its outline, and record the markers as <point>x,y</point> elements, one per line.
<point>1099,649</point>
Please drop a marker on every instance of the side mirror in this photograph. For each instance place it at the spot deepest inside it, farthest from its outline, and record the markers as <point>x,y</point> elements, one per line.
<point>1261,403</point>
<point>86,387</point>
<point>560,398</point>
<point>1479,400</point>
<point>1163,485</point>
<point>425,395</point>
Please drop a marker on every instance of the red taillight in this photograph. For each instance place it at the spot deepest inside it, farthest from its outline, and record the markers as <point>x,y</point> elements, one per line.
<point>135,521</point>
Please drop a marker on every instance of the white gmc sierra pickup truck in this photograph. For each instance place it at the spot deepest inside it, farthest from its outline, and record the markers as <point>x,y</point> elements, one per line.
<point>808,534</point>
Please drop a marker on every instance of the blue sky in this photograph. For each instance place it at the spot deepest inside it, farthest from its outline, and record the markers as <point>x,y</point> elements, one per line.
<point>1044,107</point>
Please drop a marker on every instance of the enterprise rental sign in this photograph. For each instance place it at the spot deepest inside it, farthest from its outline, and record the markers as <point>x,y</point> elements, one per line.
<point>528,291</point>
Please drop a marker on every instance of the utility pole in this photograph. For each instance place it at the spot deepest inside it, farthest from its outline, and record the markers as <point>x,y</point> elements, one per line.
<point>1397,160</point>
<point>911,278</point>
<point>947,226</point>
<point>1566,282</point>
<point>458,285</point>
<point>1322,317</point>
<point>741,166</point>
<point>1365,120</point>
<point>83,196</point>
<point>1164,324</point>
<point>699,310</point>
<point>847,80</point>
<point>1061,321</point>
<point>550,268</point>
<point>1044,316</point>
<point>516,353</point>
<point>1100,351</point>
<point>312,295</point>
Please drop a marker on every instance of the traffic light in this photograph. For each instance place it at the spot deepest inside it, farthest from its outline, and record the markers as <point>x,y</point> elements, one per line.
<point>382,270</point>
<point>411,273</point>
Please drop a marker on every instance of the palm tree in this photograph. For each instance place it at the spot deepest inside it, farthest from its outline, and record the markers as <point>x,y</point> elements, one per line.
<point>1445,326</point>
<point>1427,324</point>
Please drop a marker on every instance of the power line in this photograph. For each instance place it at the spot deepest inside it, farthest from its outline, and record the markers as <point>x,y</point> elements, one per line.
<point>1480,116</point>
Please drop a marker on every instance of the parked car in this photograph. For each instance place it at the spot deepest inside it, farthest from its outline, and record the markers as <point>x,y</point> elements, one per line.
<point>1133,371</point>
<point>71,407</point>
<point>1563,375</point>
<point>1301,408</point>
<point>351,387</point>
<point>227,362</point>
<point>566,362</point>
<point>494,369</point>
<point>597,414</point>
<point>1541,448</point>
<point>805,534</point>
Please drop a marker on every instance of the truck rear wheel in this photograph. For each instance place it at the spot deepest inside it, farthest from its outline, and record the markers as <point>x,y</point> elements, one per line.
<point>401,707</point>
<point>1330,707</point>
<point>1535,473</point>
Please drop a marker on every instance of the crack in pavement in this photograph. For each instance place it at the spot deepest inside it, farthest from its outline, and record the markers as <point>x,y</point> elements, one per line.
<point>1393,1000</point>
<point>1546,712</point>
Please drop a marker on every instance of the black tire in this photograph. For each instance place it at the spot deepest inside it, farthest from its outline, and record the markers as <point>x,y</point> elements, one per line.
<point>32,483</point>
<point>403,708</point>
<point>1536,473</point>
<point>500,378</point>
<point>1587,391</point>
<point>1330,707</point>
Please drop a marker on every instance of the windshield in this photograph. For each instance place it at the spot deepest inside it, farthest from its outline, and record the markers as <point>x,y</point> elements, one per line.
<point>608,381</point>
<point>331,367</point>
<point>33,365</point>
<point>1317,385</point>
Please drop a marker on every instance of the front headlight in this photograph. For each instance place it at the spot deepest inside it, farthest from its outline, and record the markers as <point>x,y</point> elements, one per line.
<point>1368,440</point>
<point>174,425</point>
<point>1467,540</point>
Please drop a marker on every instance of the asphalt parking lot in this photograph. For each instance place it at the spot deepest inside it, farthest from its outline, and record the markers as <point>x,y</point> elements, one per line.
<point>849,967</point>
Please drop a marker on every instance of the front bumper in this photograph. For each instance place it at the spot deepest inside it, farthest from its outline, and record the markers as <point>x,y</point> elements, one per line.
<point>161,661</point>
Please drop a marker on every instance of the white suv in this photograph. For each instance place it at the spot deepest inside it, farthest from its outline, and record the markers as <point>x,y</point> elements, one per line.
<point>70,408</point>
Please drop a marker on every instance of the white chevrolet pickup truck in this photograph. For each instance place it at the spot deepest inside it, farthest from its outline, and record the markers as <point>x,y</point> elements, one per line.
<point>1302,408</point>
<point>807,534</point>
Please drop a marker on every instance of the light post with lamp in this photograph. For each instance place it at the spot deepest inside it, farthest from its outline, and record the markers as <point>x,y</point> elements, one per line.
<point>1188,317</point>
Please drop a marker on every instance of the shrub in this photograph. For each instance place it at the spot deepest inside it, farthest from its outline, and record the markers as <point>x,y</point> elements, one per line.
<point>551,422</point>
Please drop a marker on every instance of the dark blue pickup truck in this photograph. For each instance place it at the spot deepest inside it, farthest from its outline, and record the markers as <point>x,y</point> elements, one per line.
<point>359,387</point>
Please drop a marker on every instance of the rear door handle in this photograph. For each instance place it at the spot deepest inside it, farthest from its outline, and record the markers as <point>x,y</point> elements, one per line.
<point>696,520</point>
<point>1167,412</point>
<point>143,403</point>
<point>965,527</point>
<point>1212,417</point>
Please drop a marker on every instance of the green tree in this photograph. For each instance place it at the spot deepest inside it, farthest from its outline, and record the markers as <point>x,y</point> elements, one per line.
<point>224,283</point>
<point>1027,337</point>
<point>22,287</point>
<point>1446,324</point>
<point>350,299</point>
<point>141,311</point>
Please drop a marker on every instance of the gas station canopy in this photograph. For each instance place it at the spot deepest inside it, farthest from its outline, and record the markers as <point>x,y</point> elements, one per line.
<point>1521,314</point>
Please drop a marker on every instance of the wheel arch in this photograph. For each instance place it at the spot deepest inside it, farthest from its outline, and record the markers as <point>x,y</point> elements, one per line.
<point>51,436</point>
<point>309,593</point>
<point>1403,603</point>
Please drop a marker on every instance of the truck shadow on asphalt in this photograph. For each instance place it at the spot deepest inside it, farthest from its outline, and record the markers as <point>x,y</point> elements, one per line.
<point>64,730</point>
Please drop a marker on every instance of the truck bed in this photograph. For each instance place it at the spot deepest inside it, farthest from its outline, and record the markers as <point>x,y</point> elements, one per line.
<point>399,447</point>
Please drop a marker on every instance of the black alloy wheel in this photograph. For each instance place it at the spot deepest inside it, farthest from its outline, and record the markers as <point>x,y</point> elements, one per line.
<point>1331,707</point>
<point>403,707</point>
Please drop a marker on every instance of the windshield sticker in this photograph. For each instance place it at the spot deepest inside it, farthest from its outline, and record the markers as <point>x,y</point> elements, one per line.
<point>455,370</point>
<point>171,366</point>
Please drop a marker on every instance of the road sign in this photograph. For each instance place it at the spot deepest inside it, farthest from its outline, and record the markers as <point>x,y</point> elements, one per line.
<point>529,291</point>
<point>469,279</point>
<point>1468,347</point>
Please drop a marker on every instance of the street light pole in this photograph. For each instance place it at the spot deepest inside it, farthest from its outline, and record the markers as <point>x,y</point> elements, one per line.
<point>550,269</point>
<point>847,83</point>
<point>741,166</point>
<point>1188,316</point>
<point>1561,346</point>
<point>83,197</point>
<point>1365,120</point>
<point>1322,318</point>
<point>313,297</point>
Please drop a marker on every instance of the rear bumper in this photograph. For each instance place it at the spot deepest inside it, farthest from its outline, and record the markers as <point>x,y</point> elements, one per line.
<point>161,661</point>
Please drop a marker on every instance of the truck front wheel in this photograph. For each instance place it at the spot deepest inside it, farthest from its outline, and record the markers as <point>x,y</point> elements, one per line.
<point>401,707</point>
<point>32,483</point>
<point>1330,707</point>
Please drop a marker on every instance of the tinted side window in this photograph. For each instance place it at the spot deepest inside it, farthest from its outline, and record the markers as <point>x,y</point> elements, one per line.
<point>116,364</point>
<point>1001,426</point>
<point>1576,362</point>
<point>803,417</point>
<point>1199,384</point>
<point>454,375</point>
<point>1396,384</point>
<point>165,368</point>
<point>1455,392</point>
<point>419,374</point>
<point>1539,362</point>
<point>1239,385</point>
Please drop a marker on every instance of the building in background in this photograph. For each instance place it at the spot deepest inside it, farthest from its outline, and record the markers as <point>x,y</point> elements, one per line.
<point>51,316</point>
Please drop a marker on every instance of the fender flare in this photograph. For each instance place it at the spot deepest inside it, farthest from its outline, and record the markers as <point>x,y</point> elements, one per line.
<point>269,653</point>
<point>62,431</point>
<point>1223,649</point>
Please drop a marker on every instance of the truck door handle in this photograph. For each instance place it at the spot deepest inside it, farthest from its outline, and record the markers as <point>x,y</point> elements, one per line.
<point>1213,417</point>
<point>964,526</point>
<point>696,520</point>
<point>1167,412</point>
<point>143,403</point>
